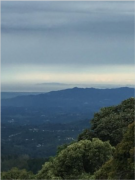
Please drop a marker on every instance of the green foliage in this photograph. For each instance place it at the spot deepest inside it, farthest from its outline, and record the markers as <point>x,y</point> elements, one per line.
<point>64,146</point>
<point>122,164</point>
<point>105,171</point>
<point>111,122</point>
<point>77,160</point>
<point>22,162</point>
<point>92,157</point>
<point>15,173</point>
<point>14,161</point>
<point>35,164</point>
<point>124,155</point>
<point>86,134</point>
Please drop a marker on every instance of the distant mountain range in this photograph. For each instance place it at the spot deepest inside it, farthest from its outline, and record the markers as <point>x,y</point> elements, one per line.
<point>6,95</point>
<point>79,98</point>
<point>52,86</point>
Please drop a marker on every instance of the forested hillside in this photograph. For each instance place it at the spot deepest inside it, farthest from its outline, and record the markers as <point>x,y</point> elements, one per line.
<point>104,151</point>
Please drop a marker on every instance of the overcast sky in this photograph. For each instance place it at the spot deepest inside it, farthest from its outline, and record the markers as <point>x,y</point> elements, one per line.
<point>66,42</point>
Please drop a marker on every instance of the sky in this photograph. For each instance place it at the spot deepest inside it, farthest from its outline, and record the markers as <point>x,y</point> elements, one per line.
<point>49,45</point>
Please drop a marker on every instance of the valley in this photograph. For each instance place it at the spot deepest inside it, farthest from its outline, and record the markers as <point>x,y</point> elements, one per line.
<point>36,125</point>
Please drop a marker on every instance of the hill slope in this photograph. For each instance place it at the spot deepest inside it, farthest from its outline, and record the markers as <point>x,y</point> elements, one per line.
<point>93,158</point>
<point>69,98</point>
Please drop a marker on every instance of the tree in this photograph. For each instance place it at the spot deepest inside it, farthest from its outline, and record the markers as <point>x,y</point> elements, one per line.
<point>121,166</point>
<point>86,134</point>
<point>83,157</point>
<point>15,173</point>
<point>110,123</point>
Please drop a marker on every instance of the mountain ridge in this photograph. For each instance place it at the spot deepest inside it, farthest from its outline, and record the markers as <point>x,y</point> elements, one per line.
<point>72,97</point>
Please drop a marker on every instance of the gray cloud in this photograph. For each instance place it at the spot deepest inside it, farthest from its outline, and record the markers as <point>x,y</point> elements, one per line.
<point>67,33</point>
<point>85,7</point>
<point>24,17</point>
<point>72,49</point>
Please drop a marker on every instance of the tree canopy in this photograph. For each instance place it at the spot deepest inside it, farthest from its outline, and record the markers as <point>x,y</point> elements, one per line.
<point>110,123</point>
<point>121,166</point>
<point>16,173</point>
<point>79,158</point>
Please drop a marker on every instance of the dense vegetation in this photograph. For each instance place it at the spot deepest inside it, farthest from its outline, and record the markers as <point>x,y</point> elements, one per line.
<point>110,123</point>
<point>121,166</point>
<point>105,151</point>
<point>22,162</point>
<point>81,157</point>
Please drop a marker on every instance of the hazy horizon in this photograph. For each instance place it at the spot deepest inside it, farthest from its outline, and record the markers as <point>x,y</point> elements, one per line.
<point>84,43</point>
<point>47,87</point>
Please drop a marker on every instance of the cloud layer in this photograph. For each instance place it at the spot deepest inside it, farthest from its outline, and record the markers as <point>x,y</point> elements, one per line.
<point>66,36</point>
